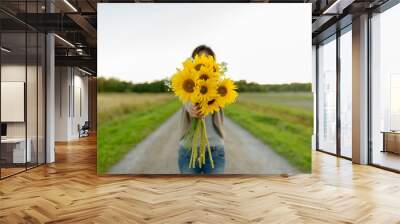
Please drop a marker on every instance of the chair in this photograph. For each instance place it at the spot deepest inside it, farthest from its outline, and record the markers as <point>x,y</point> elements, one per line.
<point>84,130</point>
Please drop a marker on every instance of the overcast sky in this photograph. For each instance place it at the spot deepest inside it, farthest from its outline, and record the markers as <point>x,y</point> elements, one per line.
<point>265,43</point>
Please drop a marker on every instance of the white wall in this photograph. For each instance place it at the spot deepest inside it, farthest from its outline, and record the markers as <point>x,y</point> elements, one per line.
<point>62,82</point>
<point>80,96</point>
<point>33,126</point>
<point>12,73</point>
<point>71,94</point>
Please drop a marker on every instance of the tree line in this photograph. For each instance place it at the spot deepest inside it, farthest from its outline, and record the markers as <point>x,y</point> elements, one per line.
<point>116,85</point>
<point>244,86</point>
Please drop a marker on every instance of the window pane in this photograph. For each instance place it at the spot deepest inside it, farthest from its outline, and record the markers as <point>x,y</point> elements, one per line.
<point>14,153</point>
<point>386,89</point>
<point>327,96</point>
<point>23,89</point>
<point>41,98</point>
<point>346,94</point>
<point>31,97</point>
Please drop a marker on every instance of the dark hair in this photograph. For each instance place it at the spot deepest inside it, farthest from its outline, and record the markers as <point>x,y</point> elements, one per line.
<point>201,48</point>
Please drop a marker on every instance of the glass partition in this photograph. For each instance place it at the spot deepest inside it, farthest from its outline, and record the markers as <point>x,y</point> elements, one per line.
<point>22,101</point>
<point>14,153</point>
<point>385,89</point>
<point>327,96</point>
<point>41,96</point>
<point>346,93</point>
<point>31,97</point>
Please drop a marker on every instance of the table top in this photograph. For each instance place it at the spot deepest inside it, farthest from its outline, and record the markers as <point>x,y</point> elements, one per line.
<point>13,140</point>
<point>391,132</point>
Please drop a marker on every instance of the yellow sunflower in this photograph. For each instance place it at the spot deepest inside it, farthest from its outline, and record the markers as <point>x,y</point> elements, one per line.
<point>203,60</point>
<point>210,106</point>
<point>206,73</point>
<point>226,92</point>
<point>184,84</point>
<point>188,64</point>
<point>216,68</point>
<point>205,90</point>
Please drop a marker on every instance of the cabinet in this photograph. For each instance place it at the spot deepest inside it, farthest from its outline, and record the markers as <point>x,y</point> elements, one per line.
<point>391,142</point>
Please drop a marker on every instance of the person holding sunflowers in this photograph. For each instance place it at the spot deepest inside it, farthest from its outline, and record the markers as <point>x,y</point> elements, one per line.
<point>204,90</point>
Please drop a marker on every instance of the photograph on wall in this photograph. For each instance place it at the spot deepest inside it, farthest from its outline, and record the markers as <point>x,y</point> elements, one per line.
<point>204,89</point>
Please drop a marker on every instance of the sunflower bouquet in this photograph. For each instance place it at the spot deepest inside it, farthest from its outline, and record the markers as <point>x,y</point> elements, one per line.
<point>202,82</point>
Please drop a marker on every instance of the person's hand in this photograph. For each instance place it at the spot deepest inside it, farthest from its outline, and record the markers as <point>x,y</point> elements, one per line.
<point>193,110</point>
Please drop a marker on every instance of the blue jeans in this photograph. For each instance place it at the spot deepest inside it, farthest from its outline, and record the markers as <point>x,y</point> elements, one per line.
<point>218,156</point>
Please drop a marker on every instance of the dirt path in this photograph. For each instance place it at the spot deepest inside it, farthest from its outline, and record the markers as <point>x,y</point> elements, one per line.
<point>244,154</point>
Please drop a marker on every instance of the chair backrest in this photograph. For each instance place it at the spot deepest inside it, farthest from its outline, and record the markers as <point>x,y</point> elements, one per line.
<point>86,124</point>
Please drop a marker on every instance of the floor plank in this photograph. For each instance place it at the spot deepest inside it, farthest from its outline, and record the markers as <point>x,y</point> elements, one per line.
<point>69,191</point>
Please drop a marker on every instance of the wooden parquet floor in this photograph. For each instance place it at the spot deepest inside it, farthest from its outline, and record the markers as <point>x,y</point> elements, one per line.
<point>69,191</point>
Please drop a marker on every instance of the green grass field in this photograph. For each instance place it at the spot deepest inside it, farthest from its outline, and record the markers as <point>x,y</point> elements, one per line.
<point>284,121</point>
<point>127,118</point>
